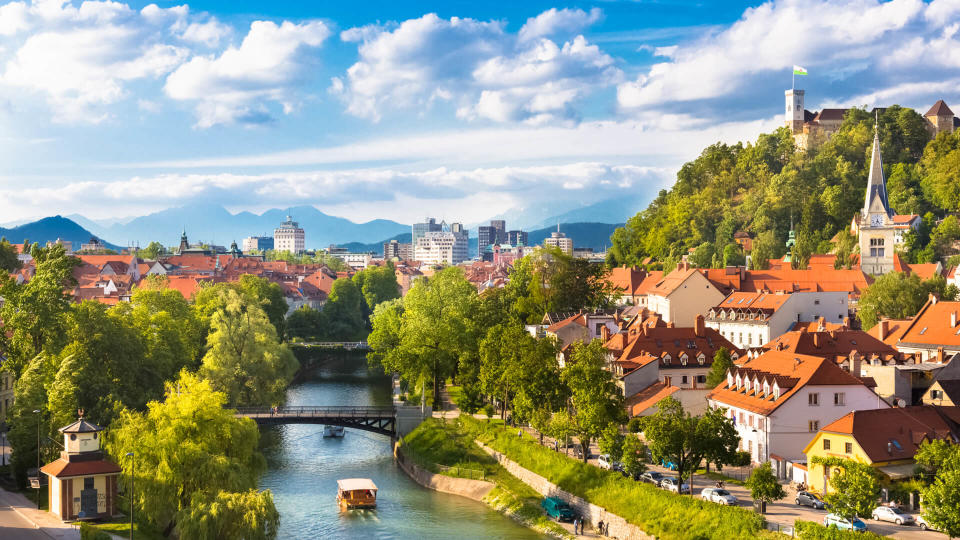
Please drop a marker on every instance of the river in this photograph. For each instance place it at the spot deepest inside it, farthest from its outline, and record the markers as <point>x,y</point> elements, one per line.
<point>303,469</point>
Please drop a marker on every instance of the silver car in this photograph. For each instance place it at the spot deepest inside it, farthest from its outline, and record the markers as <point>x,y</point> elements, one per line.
<point>893,515</point>
<point>718,495</point>
<point>672,483</point>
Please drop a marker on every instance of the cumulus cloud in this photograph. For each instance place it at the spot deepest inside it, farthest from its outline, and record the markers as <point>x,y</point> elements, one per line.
<point>82,58</point>
<point>861,47</point>
<point>209,33</point>
<point>238,85</point>
<point>485,71</point>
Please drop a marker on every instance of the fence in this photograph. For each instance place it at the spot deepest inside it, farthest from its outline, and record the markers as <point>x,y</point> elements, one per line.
<point>456,471</point>
<point>781,528</point>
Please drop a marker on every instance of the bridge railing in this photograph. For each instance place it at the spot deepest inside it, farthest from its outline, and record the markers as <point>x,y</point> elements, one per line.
<point>333,344</point>
<point>329,412</point>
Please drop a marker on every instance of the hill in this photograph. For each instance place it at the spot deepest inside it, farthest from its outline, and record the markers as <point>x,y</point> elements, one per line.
<point>49,229</point>
<point>765,186</point>
<point>213,224</point>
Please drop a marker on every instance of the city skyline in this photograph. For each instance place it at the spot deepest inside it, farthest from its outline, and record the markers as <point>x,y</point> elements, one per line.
<point>538,104</point>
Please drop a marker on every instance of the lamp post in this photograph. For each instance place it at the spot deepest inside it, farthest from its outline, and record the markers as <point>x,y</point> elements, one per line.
<point>37,412</point>
<point>133,471</point>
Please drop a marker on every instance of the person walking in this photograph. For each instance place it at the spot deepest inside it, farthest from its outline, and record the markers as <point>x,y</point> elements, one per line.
<point>600,527</point>
<point>576,523</point>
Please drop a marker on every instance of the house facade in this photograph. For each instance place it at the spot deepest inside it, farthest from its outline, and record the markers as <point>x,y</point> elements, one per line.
<point>683,295</point>
<point>750,319</point>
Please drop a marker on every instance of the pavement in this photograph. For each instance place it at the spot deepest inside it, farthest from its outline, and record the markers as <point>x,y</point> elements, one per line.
<point>20,519</point>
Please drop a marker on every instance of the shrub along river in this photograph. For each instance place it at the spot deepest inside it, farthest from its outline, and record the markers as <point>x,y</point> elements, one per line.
<point>303,468</point>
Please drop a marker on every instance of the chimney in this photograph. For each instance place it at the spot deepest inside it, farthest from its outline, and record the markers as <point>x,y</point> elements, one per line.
<point>816,340</point>
<point>743,273</point>
<point>604,333</point>
<point>884,329</point>
<point>846,322</point>
<point>953,319</point>
<point>856,362</point>
<point>821,324</point>
<point>646,330</point>
<point>940,355</point>
<point>698,326</point>
<point>932,298</point>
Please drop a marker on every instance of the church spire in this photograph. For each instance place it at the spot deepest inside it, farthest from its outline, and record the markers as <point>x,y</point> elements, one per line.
<point>875,200</point>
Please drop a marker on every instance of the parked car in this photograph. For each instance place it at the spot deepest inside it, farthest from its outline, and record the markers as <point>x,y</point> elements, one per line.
<point>651,477</point>
<point>718,495</point>
<point>922,523</point>
<point>672,483</point>
<point>893,515</point>
<point>617,466</point>
<point>604,461</point>
<point>854,524</point>
<point>557,509</point>
<point>805,498</point>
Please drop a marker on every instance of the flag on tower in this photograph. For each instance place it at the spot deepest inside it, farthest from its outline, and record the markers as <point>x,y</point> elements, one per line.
<point>797,70</point>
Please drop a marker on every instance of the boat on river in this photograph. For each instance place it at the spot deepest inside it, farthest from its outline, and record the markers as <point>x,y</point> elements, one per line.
<point>333,431</point>
<point>356,493</point>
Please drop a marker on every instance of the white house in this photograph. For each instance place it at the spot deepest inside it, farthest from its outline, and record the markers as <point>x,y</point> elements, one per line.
<point>780,400</point>
<point>750,319</point>
<point>682,295</point>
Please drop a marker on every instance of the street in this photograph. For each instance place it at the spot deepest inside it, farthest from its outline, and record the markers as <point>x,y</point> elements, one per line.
<point>14,527</point>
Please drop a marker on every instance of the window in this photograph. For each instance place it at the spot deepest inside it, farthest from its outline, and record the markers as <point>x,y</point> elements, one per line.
<point>750,339</point>
<point>683,380</point>
<point>701,379</point>
<point>813,399</point>
<point>813,426</point>
<point>816,302</point>
<point>826,444</point>
<point>88,482</point>
<point>750,420</point>
<point>760,423</point>
<point>839,398</point>
<point>741,418</point>
<point>936,394</point>
<point>750,446</point>
<point>848,447</point>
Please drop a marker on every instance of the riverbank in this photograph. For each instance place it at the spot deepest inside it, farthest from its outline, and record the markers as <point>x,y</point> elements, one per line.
<point>437,443</point>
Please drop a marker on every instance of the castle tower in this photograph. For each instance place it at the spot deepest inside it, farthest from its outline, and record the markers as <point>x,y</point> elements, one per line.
<point>794,110</point>
<point>184,243</point>
<point>877,233</point>
<point>939,118</point>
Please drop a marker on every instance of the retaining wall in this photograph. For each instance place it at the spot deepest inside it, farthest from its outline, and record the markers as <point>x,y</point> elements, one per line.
<point>465,487</point>
<point>619,528</point>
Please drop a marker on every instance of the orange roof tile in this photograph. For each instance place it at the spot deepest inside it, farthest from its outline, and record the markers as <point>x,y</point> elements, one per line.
<point>62,468</point>
<point>897,433</point>
<point>831,344</point>
<point>935,324</point>
<point>648,397</point>
<point>894,330</point>
<point>671,282</point>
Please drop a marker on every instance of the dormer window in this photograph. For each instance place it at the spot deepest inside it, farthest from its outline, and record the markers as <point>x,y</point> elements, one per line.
<point>701,358</point>
<point>746,385</point>
<point>666,359</point>
<point>739,382</point>
<point>683,359</point>
<point>729,379</point>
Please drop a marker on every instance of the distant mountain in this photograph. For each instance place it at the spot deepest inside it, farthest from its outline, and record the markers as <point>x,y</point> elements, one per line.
<point>49,229</point>
<point>376,247</point>
<point>609,211</point>
<point>213,224</point>
<point>585,235</point>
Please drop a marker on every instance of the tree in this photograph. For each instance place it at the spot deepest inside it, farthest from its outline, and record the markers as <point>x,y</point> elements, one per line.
<point>941,498</point>
<point>343,312</point>
<point>8,257</point>
<point>153,251</point>
<point>306,324</point>
<point>722,362</point>
<point>30,394</point>
<point>377,284</point>
<point>897,295</point>
<point>846,248</point>
<point>718,437</point>
<point>855,486</point>
<point>561,427</point>
<point>270,297</point>
<point>244,359</point>
<point>764,486</point>
<point>634,456</point>
<point>195,463</point>
<point>611,442</point>
<point>595,400</point>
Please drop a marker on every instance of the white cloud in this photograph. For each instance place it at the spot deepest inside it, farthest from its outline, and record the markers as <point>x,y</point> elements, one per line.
<point>82,58</point>
<point>486,72</point>
<point>208,33</point>
<point>237,85</point>
<point>556,20</point>
<point>823,36</point>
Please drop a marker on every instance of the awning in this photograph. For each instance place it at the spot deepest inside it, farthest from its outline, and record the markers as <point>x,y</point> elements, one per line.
<point>896,472</point>
<point>355,484</point>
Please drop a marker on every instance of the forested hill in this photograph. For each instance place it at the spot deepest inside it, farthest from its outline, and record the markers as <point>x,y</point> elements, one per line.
<point>761,187</point>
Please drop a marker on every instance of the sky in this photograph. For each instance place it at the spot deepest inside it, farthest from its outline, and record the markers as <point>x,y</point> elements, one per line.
<point>398,110</point>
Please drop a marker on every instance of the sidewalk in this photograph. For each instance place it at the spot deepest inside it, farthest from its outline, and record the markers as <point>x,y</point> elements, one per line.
<point>44,522</point>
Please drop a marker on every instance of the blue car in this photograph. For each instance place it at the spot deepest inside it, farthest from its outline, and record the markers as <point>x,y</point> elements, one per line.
<point>854,524</point>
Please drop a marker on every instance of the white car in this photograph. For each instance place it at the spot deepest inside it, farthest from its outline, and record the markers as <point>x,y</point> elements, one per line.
<point>718,495</point>
<point>922,523</point>
<point>604,461</point>
<point>893,515</point>
<point>671,483</point>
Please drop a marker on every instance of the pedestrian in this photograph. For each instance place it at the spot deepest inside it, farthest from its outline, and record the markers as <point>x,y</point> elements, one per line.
<point>606,531</point>
<point>576,522</point>
<point>519,432</point>
<point>600,527</point>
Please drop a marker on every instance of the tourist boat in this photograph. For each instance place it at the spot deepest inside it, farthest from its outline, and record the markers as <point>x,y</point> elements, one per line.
<point>356,493</point>
<point>333,431</point>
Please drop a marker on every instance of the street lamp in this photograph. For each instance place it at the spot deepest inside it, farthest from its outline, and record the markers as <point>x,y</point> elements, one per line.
<point>37,412</point>
<point>133,470</point>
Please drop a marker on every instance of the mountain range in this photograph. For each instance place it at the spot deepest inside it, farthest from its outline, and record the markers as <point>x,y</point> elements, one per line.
<point>49,229</point>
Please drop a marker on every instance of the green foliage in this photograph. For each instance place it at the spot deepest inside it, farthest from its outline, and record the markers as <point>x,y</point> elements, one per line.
<point>377,284</point>
<point>763,484</point>
<point>89,532</point>
<point>153,251</point>
<point>855,486</point>
<point>722,362</point>
<point>942,498</point>
<point>595,399</point>
<point>634,455</point>
<point>549,281</point>
<point>195,463</point>
<point>808,530</point>
<point>343,313</point>
<point>30,394</point>
<point>8,257</point>
<point>898,296</point>
<point>244,359</point>
<point>611,441</point>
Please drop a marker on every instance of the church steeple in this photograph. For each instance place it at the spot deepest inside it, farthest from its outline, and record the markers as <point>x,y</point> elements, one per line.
<point>875,201</point>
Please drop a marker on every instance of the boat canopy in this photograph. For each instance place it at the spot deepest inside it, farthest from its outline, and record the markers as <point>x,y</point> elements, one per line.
<point>356,484</point>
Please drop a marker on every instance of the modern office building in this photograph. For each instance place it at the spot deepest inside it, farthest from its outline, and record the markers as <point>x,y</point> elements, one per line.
<point>420,229</point>
<point>448,246</point>
<point>289,237</point>
<point>517,238</point>
<point>559,240</point>
<point>258,243</point>
<point>397,250</point>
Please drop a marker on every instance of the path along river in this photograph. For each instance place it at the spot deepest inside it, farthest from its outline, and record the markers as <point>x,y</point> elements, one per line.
<point>303,469</point>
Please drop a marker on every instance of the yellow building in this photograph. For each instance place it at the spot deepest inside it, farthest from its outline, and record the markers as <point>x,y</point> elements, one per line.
<point>943,392</point>
<point>886,439</point>
<point>83,485</point>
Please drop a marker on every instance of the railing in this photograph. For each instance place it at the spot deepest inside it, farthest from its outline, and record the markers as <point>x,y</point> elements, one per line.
<point>313,412</point>
<point>334,344</point>
<point>462,472</point>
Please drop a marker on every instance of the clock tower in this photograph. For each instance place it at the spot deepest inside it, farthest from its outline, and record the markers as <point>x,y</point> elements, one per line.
<point>876,230</point>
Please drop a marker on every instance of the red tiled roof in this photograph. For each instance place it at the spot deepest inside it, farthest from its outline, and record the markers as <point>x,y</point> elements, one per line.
<point>645,342</point>
<point>831,344</point>
<point>648,397</point>
<point>579,318</point>
<point>671,282</point>
<point>896,433</point>
<point>62,468</point>
<point>932,325</point>
<point>895,330</point>
<point>939,109</point>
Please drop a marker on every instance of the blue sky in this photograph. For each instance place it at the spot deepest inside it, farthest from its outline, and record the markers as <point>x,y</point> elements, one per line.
<point>463,110</point>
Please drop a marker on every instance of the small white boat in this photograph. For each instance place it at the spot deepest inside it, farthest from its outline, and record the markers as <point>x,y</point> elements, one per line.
<point>333,431</point>
<point>356,493</point>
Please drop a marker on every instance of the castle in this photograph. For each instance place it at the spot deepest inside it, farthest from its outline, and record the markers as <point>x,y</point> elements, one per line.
<point>810,128</point>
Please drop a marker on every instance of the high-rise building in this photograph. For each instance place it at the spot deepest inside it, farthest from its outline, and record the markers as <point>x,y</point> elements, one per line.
<point>461,246</point>
<point>559,240</point>
<point>397,250</point>
<point>517,238</point>
<point>289,237</point>
<point>419,229</point>
<point>447,246</point>
<point>495,233</point>
<point>259,243</point>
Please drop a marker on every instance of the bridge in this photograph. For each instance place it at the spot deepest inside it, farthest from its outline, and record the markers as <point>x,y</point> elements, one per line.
<point>382,420</point>
<point>348,345</point>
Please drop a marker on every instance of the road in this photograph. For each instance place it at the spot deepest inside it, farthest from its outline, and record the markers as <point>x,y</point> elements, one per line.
<point>14,525</point>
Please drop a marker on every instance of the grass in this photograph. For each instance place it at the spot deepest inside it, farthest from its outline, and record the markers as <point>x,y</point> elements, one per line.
<point>141,531</point>
<point>713,475</point>
<point>436,442</point>
<point>657,512</point>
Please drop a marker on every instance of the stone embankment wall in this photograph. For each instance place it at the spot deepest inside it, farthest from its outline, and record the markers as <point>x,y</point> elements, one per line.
<point>619,528</point>
<point>471,489</point>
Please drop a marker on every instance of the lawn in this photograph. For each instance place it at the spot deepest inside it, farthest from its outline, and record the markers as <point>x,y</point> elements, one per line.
<point>141,531</point>
<point>658,512</point>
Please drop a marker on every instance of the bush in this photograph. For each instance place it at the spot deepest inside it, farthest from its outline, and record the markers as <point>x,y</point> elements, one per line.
<point>89,532</point>
<point>808,530</point>
<point>658,512</point>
